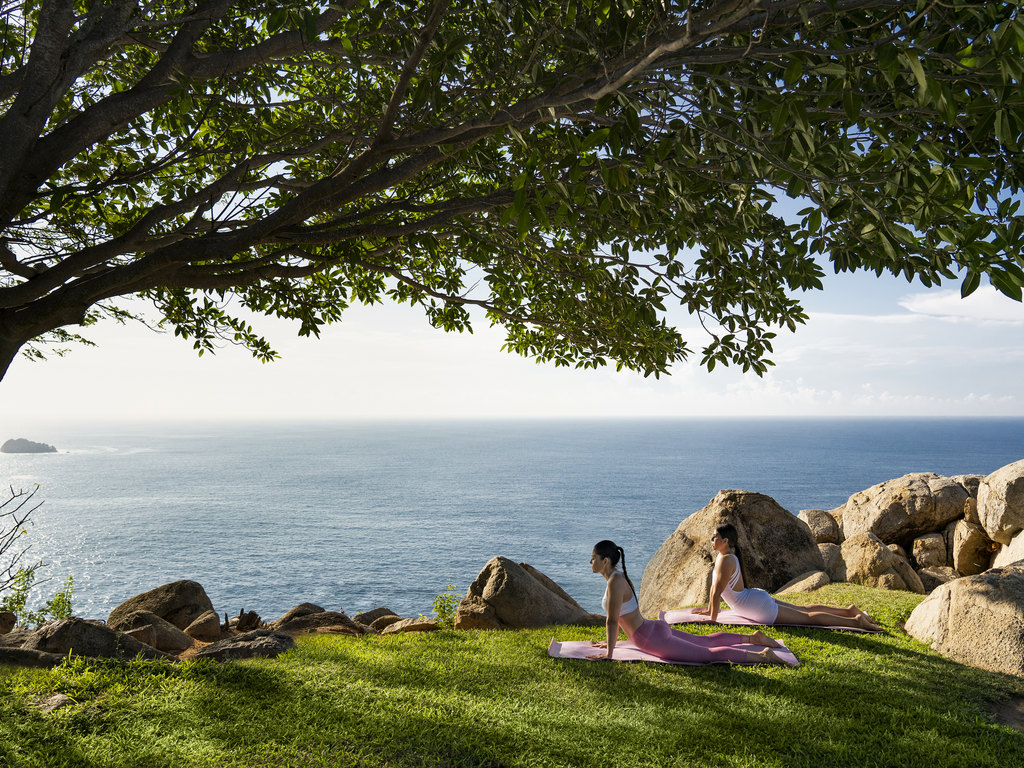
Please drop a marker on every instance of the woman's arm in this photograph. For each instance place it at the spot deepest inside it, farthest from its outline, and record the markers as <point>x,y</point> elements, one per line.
<point>718,582</point>
<point>611,622</point>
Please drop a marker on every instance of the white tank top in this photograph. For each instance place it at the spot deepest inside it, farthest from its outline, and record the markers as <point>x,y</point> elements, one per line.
<point>627,607</point>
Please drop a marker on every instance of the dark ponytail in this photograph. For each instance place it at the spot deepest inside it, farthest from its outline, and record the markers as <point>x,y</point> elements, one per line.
<point>730,534</point>
<point>615,553</point>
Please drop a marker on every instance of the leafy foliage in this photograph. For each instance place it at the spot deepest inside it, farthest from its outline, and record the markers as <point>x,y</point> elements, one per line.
<point>572,169</point>
<point>57,607</point>
<point>445,605</point>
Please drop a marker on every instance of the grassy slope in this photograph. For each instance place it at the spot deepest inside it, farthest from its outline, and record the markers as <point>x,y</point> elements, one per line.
<point>496,699</point>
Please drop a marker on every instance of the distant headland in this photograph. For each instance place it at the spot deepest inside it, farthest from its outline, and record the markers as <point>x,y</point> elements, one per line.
<point>21,445</point>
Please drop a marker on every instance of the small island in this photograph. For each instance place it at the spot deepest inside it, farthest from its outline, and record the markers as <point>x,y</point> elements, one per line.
<point>21,445</point>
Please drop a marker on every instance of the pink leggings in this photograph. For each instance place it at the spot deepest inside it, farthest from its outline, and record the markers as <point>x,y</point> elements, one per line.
<point>661,640</point>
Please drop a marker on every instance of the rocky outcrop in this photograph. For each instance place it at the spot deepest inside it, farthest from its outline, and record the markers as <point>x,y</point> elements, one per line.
<point>7,622</point>
<point>1001,502</point>
<point>506,595</point>
<point>180,603</point>
<point>824,527</point>
<point>85,638</point>
<point>152,630</point>
<point>259,643</point>
<point>832,557</point>
<point>419,624</point>
<point>21,445</point>
<point>806,582</point>
<point>28,657</point>
<point>899,510</point>
<point>866,560</point>
<point>977,620</point>
<point>366,618</point>
<point>775,544</point>
<point>383,622</point>
<point>322,621</point>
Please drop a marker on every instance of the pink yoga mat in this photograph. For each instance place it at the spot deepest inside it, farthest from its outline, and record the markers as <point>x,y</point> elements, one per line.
<point>728,616</point>
<point>626,651</point>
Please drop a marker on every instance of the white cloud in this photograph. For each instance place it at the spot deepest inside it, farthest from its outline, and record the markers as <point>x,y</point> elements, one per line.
<point>986,305</point>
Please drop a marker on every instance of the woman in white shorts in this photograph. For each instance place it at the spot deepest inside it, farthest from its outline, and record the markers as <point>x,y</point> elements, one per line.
<point>757,605</point>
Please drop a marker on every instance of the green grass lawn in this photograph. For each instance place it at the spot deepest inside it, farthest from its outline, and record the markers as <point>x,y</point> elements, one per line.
<point>497,699</point>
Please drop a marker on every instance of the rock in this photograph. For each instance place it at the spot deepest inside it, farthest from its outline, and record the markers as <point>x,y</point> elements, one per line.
<point>83,638</point>
<point>21,445</point>
<point>148,628</point>
<point>246,621</point>
<point>259,643</point>
<point>302,609</point>
<point>419,624</point>
<point>1001,502</point>
<point>977,620</point>
<point>897,550</point>
<point>180,603</point>
<point>899,510</point>
<point>837,515</point>
<point>948,534</point>
<point>1009,554</point>
<point>7,622</point>
<point>806,582</point>
<point>54,702</point>
<point>28,657</point>
<point>832,556</point>
<point>206,628</point>
<point>868,561</point>
<point>776,547</point>
<point>381,622</point>
<point>972,549</point>
<point>823,526</point>
<point>930,551</point>
<point>334,621</point>
<point>510,596</point>
<point>932,578</point>
<point>368,617</point>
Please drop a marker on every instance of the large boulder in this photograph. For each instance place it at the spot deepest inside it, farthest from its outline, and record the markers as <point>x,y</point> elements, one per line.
<point>899,510</point>
<point>977,620</point>
<point>27,657</point>
<point>932,578</point>
<point>180,603</point>
<point>1001,502</point>
<point>85,638</point>
<point>867,560</point>
<point>259,643</point>
<point>366,618</point>
<point>929,550</point>
<point>7,622</point>
<point>152,630</point>
<point>972,549</point>
<point>775,544</point>
<point>510,596</point>
<point>823,526</point>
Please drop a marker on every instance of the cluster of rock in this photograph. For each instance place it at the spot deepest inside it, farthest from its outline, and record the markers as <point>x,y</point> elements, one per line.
<point>176,621</point>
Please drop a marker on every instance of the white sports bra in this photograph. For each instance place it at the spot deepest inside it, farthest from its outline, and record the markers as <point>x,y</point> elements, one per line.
<point>627,607</point>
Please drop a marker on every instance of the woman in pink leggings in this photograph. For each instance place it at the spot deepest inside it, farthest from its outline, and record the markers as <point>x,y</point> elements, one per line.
<point>657,637</point>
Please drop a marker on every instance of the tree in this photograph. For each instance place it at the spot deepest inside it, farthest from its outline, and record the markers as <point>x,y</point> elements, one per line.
<point>569,167</point>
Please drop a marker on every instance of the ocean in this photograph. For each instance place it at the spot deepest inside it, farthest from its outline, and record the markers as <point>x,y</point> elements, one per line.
<point>352,516</point>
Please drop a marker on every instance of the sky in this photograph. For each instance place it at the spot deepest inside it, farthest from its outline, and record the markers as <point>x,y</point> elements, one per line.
<point>872,347</point>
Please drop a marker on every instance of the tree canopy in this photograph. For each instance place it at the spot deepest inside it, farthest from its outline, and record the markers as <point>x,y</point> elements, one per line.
<point>569,167</point>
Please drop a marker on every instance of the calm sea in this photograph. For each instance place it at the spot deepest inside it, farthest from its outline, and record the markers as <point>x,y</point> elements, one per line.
<point>356,515</point>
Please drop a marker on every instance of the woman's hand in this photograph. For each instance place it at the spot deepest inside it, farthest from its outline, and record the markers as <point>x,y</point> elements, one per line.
<point>599,644</point>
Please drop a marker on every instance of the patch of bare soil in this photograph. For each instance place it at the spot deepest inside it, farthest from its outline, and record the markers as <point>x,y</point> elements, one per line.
<point>1009,713</point>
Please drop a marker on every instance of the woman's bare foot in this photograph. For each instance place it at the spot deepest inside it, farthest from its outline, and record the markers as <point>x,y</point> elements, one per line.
<point>864,622</point>
<point>760,638</point>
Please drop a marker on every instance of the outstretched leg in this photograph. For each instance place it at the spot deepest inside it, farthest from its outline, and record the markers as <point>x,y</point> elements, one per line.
<point>850,611</point>
<point>805,615</point>
<point>727,638</point>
